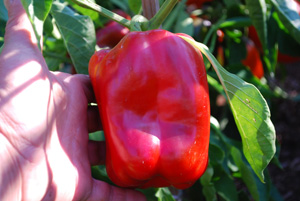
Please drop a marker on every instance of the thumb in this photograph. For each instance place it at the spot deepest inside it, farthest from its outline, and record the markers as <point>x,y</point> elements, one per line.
<point>20,51</point>
<point>19,32</point>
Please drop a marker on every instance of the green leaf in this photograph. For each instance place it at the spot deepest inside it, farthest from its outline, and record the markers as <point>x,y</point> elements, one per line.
<point>1,48</point>
<point>208,190</point>
<point>184,24</point>
<point>255,187</point>
<point>164,194</point>
<point>78,33</point>
<point>251,114</point>
<point>257,11</point>
<point>135,6</point>
<point>3,11</point>
<point>99,173</point>
<point>37,12</point>
<point>122,4</point>
<point>149,193</point>
<point>225,187</point>
<point>84,11</point>
<point>230,3</point>
<point>289,16</point>
<point>216,154</point>
<point>258,14</point>
<point>172,17</point>
<point>97,136</point>
<point>104,12</point>
<point>215,84</point>
<point>236,22</point>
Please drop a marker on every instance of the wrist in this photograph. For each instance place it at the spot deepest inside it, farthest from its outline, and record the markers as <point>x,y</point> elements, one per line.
<point>10,179</point>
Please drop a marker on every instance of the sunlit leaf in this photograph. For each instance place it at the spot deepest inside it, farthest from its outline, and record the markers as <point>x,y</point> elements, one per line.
<point>289,16</point>
<point>164,194</point>
<point>37,12</point>
<point>78,33</point>
<point>251,114</point>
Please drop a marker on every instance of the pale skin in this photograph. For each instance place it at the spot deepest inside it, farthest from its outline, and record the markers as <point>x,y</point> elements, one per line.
<point>44,124</point>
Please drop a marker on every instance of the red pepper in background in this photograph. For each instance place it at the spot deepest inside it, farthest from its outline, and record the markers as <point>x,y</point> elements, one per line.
<point>153,99</point>
<point>197,3</point>
<point>220,51</point>
<point>252,34</point>
<point>112,32</point>
<point>281,58</point>
<point>252,60</point>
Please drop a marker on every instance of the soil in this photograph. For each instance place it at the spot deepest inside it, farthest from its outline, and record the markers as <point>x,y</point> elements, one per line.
<point>286,119</point>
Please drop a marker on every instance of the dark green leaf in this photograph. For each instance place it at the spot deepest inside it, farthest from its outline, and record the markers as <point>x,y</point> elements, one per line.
<point>236,22</point>
<point>164,194</point>
<point>289,16</point>
<point>121,4</point>
<point>78,33</point>
<point>237,49</point>
<point>99,173</point>
<point>258,10</point>
<point>225,187</point>
<point>1,48</point>
<point>258,14</point>
<point>172,17</point>
<point>251,114</point>
<point>3,11</point>
<point>149,193</point>
<point>216,154</point>
<point>274,194</point>
<point>184,24</point>
<point>208,190</point>
<point>135,6</point>
<point>255,187</point>
<point>230,3</point>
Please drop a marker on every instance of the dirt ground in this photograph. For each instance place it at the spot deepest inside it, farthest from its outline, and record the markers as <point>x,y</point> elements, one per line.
<point>286,118</point>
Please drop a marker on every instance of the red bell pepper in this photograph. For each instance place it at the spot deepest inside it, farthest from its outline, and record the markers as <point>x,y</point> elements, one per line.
<point>153,99</point>
<point>112,32</point>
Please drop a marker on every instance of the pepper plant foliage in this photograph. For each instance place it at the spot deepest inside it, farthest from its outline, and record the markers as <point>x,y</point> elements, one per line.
<point>238,151</point>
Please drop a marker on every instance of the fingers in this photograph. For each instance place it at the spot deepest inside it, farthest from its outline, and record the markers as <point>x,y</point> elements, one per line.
<point>94,122</point>
<point>104,191</point>
<point>96,152</point>
<point>87,87</point>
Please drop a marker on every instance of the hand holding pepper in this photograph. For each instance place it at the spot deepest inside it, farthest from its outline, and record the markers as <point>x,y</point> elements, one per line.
<point>44,124</point>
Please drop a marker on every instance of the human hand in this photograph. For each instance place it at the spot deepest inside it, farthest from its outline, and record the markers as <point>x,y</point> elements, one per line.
<point>44,125</point>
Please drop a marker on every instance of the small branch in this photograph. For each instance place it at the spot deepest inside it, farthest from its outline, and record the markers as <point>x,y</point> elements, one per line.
<point>162,14</point>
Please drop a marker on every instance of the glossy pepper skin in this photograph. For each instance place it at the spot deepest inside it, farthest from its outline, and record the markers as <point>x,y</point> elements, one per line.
<point>112,32</point>
<point>153,99</point>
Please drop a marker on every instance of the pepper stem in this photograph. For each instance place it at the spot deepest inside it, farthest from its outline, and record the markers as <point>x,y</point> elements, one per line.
<point>104,12</point>
<point>156,21</point>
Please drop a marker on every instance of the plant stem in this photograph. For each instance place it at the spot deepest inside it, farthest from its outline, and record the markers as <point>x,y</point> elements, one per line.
<point>162,13</point>
<point>150,8</point>
<point>104,12</point>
